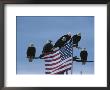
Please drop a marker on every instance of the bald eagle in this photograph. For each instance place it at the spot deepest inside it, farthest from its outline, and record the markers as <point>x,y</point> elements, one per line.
<point>48,47</point>
<point>76,38</point>
<point>62,40</point>
<point>31,51</point>
<point>83,55</point>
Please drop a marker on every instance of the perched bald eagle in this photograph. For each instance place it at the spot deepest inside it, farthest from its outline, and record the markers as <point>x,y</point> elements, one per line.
<point>62,40</point>
<point>76,38</point>
<point>31,51</point>
<point>48,47</point>
<point>83,55</point>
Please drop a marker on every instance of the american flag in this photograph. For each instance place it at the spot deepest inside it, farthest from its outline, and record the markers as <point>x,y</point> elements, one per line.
<point>59,61</point>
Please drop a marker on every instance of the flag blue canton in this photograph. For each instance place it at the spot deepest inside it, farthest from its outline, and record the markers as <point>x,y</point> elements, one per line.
<point>66,51</point>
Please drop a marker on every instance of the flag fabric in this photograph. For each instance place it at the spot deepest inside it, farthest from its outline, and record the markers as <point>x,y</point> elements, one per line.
<point>59,61</point>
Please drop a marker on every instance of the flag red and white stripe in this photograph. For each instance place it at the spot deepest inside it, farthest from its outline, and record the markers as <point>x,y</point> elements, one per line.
<point>55,64</point>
